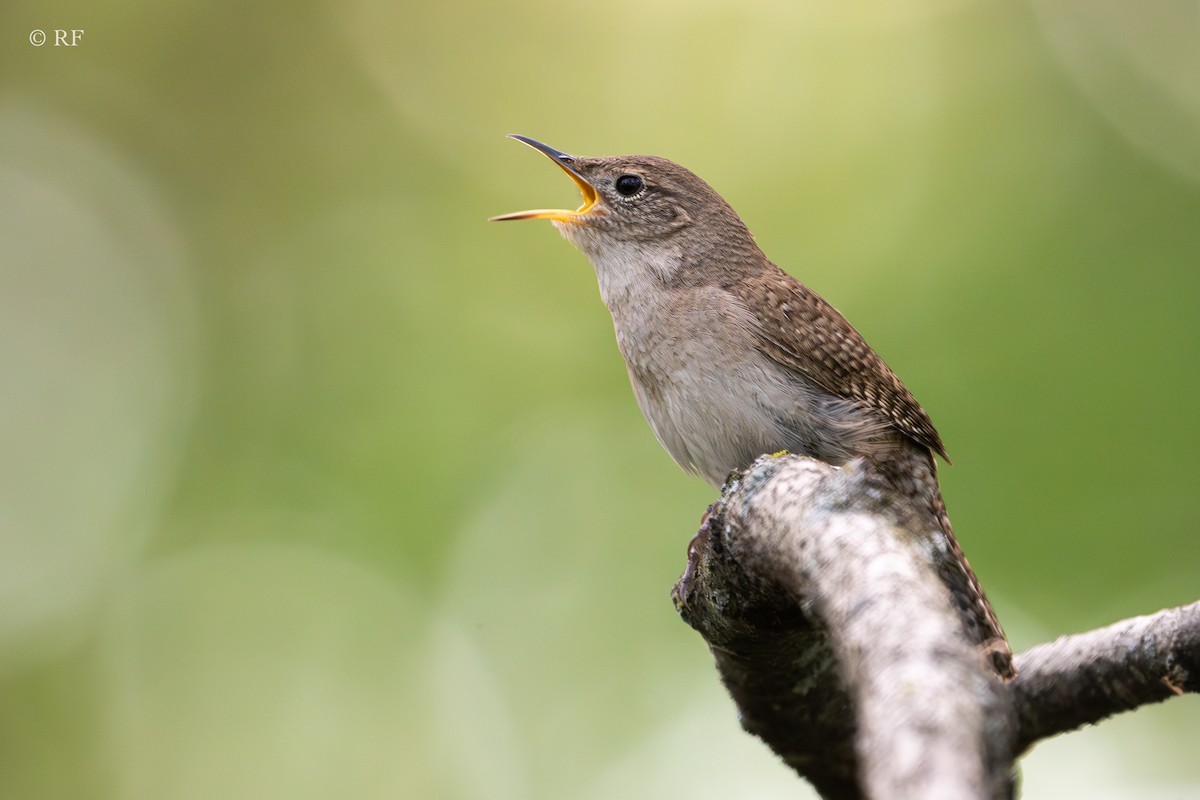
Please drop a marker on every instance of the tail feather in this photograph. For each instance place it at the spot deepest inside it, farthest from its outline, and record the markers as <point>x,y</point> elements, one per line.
<point>913,471</point>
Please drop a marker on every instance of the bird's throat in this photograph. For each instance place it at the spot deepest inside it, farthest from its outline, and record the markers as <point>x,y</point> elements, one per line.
<point>625,270</point>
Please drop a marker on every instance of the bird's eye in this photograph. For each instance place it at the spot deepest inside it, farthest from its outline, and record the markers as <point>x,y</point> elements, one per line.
<point>629,185</point>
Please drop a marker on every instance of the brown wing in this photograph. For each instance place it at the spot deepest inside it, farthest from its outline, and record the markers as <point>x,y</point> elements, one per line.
<point>801,331</point>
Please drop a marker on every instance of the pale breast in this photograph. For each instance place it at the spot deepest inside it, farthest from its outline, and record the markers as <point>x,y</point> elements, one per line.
<point>714,400</point>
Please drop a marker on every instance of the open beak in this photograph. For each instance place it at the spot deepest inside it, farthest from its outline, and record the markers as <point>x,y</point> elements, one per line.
<point>567,164</point>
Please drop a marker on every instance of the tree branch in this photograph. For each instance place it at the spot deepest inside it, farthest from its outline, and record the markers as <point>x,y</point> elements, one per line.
<point>817,595</point>
<point>1084,678</point>
<point>838,641</point>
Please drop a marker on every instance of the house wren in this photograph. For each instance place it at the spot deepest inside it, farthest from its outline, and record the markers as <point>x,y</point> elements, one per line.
<point>730,357</point>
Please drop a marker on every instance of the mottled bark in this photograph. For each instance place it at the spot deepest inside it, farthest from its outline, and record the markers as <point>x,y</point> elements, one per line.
<point>844,652</point>
<point>1084,678</point>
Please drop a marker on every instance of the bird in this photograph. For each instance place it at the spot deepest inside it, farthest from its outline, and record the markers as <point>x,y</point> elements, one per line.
<point>730,357</point>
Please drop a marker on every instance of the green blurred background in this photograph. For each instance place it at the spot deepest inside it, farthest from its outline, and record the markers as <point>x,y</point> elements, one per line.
<point>316,485</point>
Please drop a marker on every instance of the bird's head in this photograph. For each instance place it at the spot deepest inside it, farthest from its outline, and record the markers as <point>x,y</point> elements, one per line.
<point>645,201</point>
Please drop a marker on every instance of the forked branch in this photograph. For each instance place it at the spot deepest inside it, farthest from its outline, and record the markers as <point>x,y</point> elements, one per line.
<point>844,653</point>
